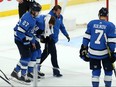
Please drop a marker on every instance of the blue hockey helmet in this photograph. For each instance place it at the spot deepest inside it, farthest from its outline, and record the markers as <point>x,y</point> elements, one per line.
<point>103,11</point>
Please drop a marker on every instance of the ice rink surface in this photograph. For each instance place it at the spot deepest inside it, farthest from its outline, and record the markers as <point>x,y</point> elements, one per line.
<point>75,71</point>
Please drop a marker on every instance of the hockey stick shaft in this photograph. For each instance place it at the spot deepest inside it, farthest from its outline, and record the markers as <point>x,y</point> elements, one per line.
<point>109,53</point>
<point>6,78</point>
<point>112,63</point>
<point>4,74</point>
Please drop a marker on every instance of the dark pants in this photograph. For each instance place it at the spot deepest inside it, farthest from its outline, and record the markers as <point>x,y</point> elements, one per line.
<point>24,50</point>
<point>96,64</point>
<point>23,7</point>
<point>50,48</point>
<point>25,54</point>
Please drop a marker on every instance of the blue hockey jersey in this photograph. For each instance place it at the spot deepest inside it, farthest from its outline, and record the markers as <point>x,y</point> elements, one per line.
<point>40,22</point>
<point>95,38</point>
<point>24,27</point>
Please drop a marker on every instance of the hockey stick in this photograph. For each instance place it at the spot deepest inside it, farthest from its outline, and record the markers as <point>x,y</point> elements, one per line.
<point>109,53</point>
<point>6,81</point>
<point>4,74</point>
<point>6,78</point>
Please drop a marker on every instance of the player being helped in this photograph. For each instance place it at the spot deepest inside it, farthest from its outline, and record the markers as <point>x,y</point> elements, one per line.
<point>44,26</point>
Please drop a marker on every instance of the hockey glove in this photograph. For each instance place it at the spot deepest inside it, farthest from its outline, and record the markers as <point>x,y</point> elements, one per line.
<point>67,36</point>
<point>39,32</point>
<point>112,58</point>
<point>83,53</point>
<point>86,58</point>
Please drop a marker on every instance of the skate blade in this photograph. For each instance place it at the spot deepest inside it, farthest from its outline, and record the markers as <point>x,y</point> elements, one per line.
<point>41,77</point>
<point>33,79</point>
<point>18,81</point>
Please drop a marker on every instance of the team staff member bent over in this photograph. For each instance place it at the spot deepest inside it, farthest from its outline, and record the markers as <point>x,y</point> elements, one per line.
<point>50,46</point>
<point>23,38</point>
<point>94,47</point>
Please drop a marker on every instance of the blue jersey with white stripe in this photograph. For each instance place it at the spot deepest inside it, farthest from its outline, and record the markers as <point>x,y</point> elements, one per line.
<point>95,38</point>
<point>24,27</point>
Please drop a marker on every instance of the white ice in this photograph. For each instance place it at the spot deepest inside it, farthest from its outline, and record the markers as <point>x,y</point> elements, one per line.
<point>75,71</point>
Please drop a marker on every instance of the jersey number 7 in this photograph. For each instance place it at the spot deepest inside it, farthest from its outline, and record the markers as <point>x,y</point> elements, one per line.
<point>100,32</point>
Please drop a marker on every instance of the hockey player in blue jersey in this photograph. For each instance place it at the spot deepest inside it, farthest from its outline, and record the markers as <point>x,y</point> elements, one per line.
<point>23,39</point>
<point>94,47</point>
<point>43,23</point>
<point>36,53</point>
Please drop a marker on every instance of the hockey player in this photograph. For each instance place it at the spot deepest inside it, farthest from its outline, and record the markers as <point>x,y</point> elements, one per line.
<point>94,47</point>
<point>44,23</point>
<point>50,47</point>
<point>23,38</point>
<point>35,54</point>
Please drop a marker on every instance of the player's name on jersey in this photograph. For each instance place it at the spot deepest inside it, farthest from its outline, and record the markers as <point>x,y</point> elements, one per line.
<point>99,26</point>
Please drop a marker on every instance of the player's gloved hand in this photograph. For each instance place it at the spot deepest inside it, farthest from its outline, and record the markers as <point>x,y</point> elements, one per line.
<point>83,50</point>
<point>83,53</point>
<point>85,58</point>
<point>112,58</point>
<point>39,32</point>
<point>26,42</point>
<point>67,36</point>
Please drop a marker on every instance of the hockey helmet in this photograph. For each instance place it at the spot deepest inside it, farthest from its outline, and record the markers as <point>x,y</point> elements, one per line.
<point>103,11</point>
<point>35,7</point>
